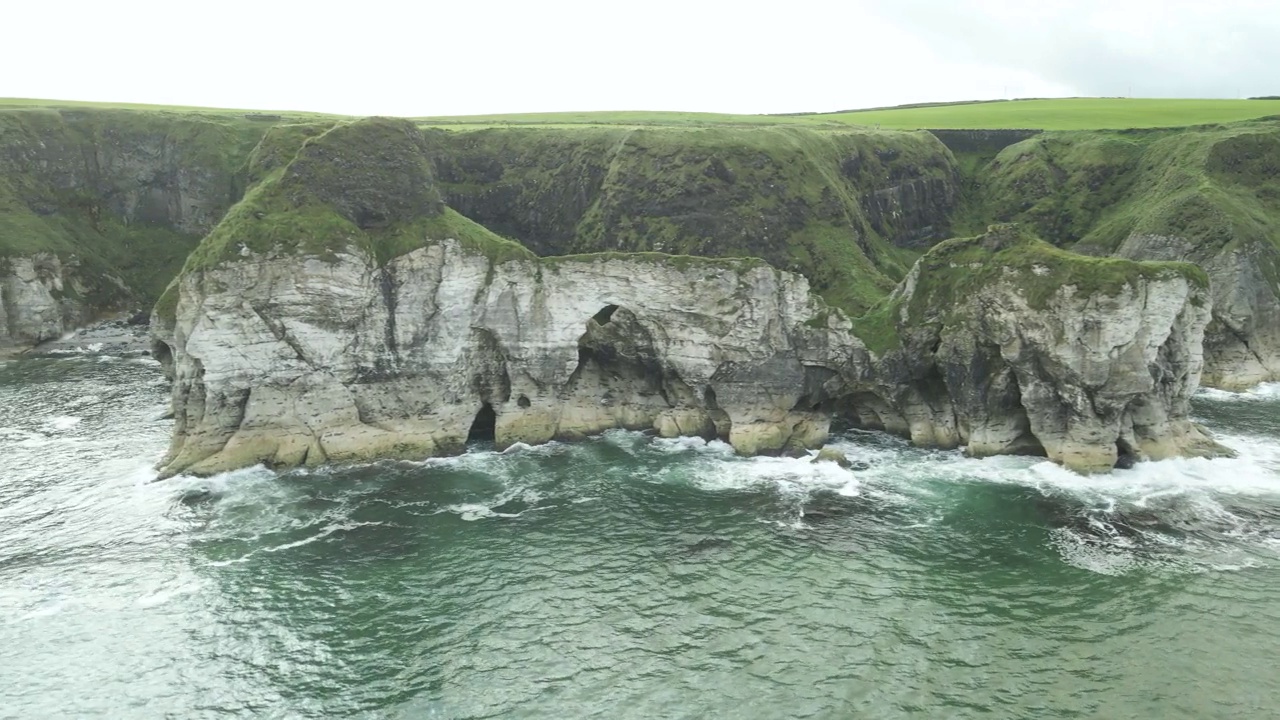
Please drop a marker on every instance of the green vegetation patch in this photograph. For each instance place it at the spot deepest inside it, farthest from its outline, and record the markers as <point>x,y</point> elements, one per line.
<point>1063,114</point>
<point>1036,114</point>
<point>956,270</point>
<point>116,193</point>
<point>1209,188</point>
<point>802,199</point>
<point>878,327</point>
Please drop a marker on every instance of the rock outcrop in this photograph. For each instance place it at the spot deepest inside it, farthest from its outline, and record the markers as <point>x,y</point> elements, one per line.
<point>41,298</point>
<point>1007,345</point>
<point>287,359</point>
<point>1207,196</point>
<point>338,315</point>
<point>1242,343</point>
<point>305,360</point>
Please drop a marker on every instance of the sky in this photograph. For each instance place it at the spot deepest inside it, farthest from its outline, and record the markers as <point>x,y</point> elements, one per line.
<point>454,57</point>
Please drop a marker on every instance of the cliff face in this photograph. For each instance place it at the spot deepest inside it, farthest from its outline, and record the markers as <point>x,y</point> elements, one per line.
<point>1209,196</point>
<point>343,308</point>
<point>37,299</point>
<point>339,313</point>
<point>99,208</point>
<point>1005,344</point>
<point>295,360</point>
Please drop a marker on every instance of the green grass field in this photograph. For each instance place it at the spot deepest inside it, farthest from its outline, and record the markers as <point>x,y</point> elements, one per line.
<point>32,103</point>
<point>1058,114</point>
<point>1065,114</point>
<point>1055,114</point>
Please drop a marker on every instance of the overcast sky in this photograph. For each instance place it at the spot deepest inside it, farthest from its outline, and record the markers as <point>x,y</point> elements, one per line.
<point>448,57</point>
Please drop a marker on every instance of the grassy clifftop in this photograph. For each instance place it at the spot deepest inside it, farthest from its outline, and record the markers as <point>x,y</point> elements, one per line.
<point>117,192</point>
<point>1216,187</point>
<point>1039,114</point>
<point>367,183</point>
<point>959,269</point>
<point>835,205</point>
<point>953,270</point>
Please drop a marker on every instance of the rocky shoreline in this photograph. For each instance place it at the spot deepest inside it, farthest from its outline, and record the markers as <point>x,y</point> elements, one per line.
<point>126,335</point>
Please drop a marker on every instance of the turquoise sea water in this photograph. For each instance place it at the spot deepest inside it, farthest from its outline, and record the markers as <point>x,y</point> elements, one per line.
<point>624,577</point>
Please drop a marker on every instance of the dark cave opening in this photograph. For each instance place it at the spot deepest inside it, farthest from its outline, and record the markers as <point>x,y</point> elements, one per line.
<point>1126,457</point>
<point>719,418</point>
<point>484,427</point>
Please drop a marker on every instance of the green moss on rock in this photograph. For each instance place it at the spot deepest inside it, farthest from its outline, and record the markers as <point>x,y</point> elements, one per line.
<point>878,328</point>
<point>366,184</point>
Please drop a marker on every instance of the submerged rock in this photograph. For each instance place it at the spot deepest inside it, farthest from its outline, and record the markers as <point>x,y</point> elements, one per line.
<point>827,454</point>
<point>707,544</point>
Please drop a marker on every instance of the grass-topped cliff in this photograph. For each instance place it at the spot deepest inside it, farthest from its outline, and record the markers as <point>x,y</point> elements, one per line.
<point>113,192</point>
<point>322,188</point>
<point>955,271</point>
<point>834,205</point>
<point>1207,195</point>
<point>1093,190</point>
<point>837,206</point>
<point>125,194</point>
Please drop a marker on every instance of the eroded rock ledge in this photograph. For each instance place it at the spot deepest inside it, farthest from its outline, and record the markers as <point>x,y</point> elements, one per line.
<point>342,313</point>
<point>41,298</point>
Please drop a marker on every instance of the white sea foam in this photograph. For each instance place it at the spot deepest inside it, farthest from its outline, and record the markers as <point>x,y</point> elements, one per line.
<point>477,511</point>
<point>692,444</point>
<point>63,422</point>
<point>324,533</point>
<point>83,400</point>
<point>223,481</point>
<point>19,435</point>
<point>47,609</point>
<point>793,476</point>
<point>1261,393</point>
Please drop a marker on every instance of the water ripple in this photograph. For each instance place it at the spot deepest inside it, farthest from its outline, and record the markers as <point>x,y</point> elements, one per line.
<point>623,577</point>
